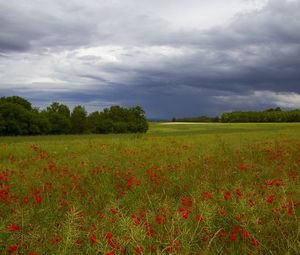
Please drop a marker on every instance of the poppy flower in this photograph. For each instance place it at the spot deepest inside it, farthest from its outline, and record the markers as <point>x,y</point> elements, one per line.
<point>13,227</point>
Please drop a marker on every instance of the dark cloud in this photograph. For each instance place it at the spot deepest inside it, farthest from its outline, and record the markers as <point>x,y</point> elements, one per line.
<point>101,54</point>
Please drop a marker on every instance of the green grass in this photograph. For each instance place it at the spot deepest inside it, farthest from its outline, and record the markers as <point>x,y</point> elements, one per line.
<point>150,191</point>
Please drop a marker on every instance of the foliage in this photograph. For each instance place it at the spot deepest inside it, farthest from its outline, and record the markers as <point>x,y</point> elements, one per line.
<point>17,117</point>
<point>269,115</point>
<point>197,119</point>
<point>79,120</point>
<point>201,192</point>
<point>118,120</point>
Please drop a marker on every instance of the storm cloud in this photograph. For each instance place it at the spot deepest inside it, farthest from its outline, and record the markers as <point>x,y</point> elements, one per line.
<point>172,58</point>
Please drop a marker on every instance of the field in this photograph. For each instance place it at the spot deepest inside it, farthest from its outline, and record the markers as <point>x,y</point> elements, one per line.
<point>179,189</point>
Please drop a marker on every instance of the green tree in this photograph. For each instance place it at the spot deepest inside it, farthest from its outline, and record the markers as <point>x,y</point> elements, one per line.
<point>59,108</point>
<point>79,120</point>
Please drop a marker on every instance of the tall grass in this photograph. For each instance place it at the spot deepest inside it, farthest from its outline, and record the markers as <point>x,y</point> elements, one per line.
<point>181,189</point>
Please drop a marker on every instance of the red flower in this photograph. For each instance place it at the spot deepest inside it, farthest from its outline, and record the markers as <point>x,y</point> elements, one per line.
<point>169,249</point>
<point>138,249</point>
<point>13,227</point>
<point>222,212</point>
<point>93,239</point>
<point>177,244</point>
<point>108,235</point>
<point>110,253</point>
<point>38,200</point>
<point>150,233</point>
<point>12,248</point>
<point>227,195</point>
<point>199,217</point>
<point>206,195</point>
<point>239,192</point>
<point>233,236</point>
<point>159,219</point>
<point>245,234</point>
<point>185,215</point>
<point>223,233</point>
<point>270,199</point>
<point>32,253</point>
<point>254,242</point>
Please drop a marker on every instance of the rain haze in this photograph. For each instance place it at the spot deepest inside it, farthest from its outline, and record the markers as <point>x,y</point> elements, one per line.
<point>174,58</point>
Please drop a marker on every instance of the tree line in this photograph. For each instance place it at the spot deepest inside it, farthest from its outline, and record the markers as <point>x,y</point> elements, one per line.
<point>269,115</point>
<point>19,117</point>
<point>197,119</point>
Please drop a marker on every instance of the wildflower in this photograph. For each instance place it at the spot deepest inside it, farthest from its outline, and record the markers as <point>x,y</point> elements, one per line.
<point>32,253</point>
<point>151,248</point>
<point>227,195</point>
<point>239,192</point>
<point>222,212</point>
<point>12,248</point>
<point>186,201</point>
<point>199,217</point>
<point>150,233</point>
<point>78,242</point>
<point>185,215</point>
<point>236,228</point>
<point>206,195</point>
<point>177,244</point>
<point>159,219</point>
<point>138,249</point>
<point>38,200</point>
<point>169,249</point>
<point>108,235</point>
<point>13,227</point>
<point>254,242</point>
<point>223,233</point>
<point>110,253</point>
<point>25,201</point>
<point>245,234</point>
<point>56,239</point>
<point>93,239</point>
<point>270,199</point>
<point>232,237</point>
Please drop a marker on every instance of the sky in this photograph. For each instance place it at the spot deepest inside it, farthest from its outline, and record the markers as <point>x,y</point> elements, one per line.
<point>174,58</point>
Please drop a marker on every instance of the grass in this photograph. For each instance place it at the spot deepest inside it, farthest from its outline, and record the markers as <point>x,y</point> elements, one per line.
<point>179,189</point>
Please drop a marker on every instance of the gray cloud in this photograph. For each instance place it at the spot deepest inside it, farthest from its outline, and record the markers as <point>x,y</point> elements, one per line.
<point>104,53</point>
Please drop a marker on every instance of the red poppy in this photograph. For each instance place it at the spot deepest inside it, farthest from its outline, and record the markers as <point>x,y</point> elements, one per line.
<point>138,249</point>
<point>13,227</point>
<point>108,235</point>
<point>93,239</point>
<point>245,234</point>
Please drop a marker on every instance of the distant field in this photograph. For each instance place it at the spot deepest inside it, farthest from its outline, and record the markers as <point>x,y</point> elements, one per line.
<point>179,189</point>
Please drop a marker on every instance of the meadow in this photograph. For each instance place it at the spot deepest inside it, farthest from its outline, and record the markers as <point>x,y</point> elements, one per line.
<point>179,189</point>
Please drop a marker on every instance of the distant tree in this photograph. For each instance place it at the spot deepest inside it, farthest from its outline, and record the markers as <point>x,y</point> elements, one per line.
<point>17,100</point>
<point>117,119</point>
<point>18,120</point>
<point>59,108</point>
<point>59,123</point>
<point>79,120</point>
<point>58,116</point>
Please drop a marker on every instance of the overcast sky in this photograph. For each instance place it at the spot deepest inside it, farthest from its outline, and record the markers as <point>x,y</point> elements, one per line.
<point>172,57</point>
